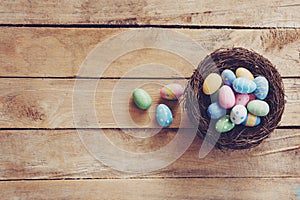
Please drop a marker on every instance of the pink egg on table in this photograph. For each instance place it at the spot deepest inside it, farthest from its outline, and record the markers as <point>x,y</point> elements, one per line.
<point>241,99</point>
<point>172,91</point>
<point>226,97</point>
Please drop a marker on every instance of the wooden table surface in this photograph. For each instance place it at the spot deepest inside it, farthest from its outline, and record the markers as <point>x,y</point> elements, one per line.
<point>42,47</point>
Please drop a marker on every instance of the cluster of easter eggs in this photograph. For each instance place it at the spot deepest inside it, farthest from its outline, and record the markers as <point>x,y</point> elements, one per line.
<point>237,98</point>
<point>164,116</point>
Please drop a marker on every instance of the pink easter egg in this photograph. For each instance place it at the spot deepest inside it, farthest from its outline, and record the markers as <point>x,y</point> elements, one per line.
<point>241,99</point>
<point>226,97</point>
<point>171,91</point>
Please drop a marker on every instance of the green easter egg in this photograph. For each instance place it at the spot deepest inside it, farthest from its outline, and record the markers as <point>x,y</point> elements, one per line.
<point>224,124</point>
<point>258,108</point>
<point>142,99</point>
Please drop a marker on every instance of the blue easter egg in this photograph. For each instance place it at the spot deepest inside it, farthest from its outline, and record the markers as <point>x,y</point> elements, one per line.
<point>244,85</point>
<point>164,115</point>
<point>262,88</point>
<point>215,111</point>
<point>228,77</point>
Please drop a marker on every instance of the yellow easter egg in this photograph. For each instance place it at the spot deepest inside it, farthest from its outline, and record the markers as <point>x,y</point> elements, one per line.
<point>242,72</point>
<point>212,83</point>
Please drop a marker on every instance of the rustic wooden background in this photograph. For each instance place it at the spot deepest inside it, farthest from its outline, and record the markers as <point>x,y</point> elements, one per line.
<point>42,45</point>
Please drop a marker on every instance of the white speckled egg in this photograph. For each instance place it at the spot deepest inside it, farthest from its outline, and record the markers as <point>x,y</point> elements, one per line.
<point>238,114</point>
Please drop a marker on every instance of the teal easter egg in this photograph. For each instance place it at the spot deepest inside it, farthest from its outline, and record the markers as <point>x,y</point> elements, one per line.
<point>226,97</point>
<point>243,85</point>
<point>142,99</point>
<point>224,124</point>
<point>164,115</point>
<point>228,77</point>
<point>262,89</point>
<point>215,111</point>
<point>251,120</point>
<point>171,92</point>
<point>258,107</point>
<point>238,114</point>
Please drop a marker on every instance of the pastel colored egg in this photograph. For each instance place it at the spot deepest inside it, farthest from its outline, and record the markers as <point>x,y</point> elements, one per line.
<point>243,85</point>
<point>228,77</point>
<point>238,114</point>
<point>164,115</point>
<point>258,107</point>
<point>171,92</point>
<point>215,111</point>
<point>226,97</point>
<point>224,124</point>
<point>142,99</point>
<point>242,99</point>
<point>242,72</point>
<point>251,120</point>
<point>262,89</point>
<point>212,83</point>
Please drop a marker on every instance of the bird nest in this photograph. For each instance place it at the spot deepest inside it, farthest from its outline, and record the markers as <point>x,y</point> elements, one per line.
<point>196,102</point>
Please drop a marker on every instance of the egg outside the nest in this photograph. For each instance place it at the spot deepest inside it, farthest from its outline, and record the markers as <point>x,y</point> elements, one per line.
<point>171,91</point>
<point>164,115</point>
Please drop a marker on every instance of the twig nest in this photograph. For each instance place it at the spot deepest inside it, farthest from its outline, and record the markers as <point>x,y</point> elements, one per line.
<point>251,128</point>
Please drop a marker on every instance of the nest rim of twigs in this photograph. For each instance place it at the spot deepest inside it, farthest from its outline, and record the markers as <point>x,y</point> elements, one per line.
<point>196,102</point>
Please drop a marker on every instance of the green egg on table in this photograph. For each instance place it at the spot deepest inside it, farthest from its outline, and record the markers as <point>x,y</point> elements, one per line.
<point>224,124</point>
<point>142,99</point>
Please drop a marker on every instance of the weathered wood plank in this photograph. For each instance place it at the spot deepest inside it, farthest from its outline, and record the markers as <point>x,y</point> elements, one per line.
<point>48,52</point>
<point>235,189</point>
<point>52,154</point>
<point>268,13</point>
<point>47,103</point>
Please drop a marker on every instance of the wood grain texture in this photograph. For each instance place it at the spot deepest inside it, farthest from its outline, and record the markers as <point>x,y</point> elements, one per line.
<point>47,103</point>
<point>235,189</point>
<point>55,52</point>
<point>60,154</point>
<point>268,13</point>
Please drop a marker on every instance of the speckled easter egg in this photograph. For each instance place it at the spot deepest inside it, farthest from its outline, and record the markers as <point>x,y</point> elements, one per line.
<point>164,115</point>
<point>251,120</point>
<point>243,85</point>
<point>258,107</point>
<point>212,83</point>
<point>242,99</point>
<point>142,99</point>
<point>226,97</point>
<point>224,124</point>
<point>171,92</point>
<point>228,77</point>
<point>238,114</point>
<point>242,72</point>
<point>262,89</point>
<point>215,111</point>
